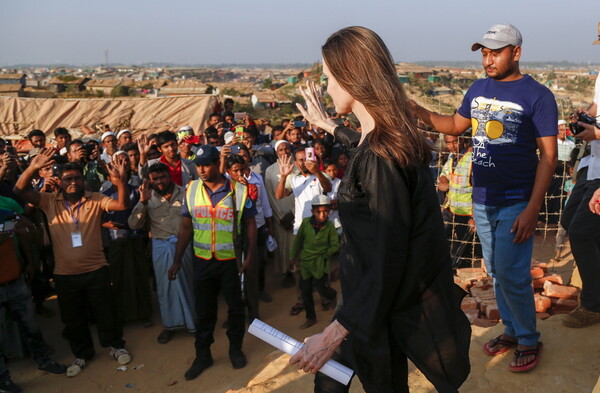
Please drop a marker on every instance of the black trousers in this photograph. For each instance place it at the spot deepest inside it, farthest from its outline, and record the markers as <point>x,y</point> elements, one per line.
<point>584,234</point>
<point>322,286</point>
<point>77,295</point>
<point>457,229</point>
<point>211,277</point>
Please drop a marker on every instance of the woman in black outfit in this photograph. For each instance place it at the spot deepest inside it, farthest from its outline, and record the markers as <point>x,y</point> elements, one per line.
<point>399,299</point>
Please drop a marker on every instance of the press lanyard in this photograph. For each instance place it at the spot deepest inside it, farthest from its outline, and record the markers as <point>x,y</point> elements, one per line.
<point>73,212</point>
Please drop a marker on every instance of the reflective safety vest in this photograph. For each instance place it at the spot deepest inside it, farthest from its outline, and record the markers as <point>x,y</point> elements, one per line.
<point>460,190</point>
<point>213,226</point>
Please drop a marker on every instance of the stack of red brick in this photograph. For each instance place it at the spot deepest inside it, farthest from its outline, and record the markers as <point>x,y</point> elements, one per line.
<point>551,296</point>
<point>480,305</point>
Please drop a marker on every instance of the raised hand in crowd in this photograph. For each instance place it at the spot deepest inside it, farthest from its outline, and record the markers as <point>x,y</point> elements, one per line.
<point>286,166</point>
<point>51,184</point>
<point>247,119</point>
<point>220,129</point>
<point>312,166</point>
<point>286,130</point>
<point>43,159</point>
<point>117,171</point>
<point>80,154</point>
<point>145,191</point>
<point>8,161</point>
<point>95,154</point>
<point>315,112</point>
<point>144,147</point>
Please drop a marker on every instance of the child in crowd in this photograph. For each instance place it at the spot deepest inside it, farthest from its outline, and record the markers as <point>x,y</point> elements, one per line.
<point>331,169</point>
<point>313,246</point>
<point>342,163</point>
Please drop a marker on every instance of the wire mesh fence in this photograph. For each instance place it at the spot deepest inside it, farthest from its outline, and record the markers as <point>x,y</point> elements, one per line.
<point>464,244</point>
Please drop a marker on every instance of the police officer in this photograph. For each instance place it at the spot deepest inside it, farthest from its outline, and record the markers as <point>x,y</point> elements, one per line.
<point>455,180</point>
<point>216,214</point>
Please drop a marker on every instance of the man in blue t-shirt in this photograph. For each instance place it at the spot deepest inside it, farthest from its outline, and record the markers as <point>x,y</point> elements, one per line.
<point>511,116</point>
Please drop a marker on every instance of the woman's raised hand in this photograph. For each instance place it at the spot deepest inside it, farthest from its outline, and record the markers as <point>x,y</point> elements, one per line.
<point>315,112</point>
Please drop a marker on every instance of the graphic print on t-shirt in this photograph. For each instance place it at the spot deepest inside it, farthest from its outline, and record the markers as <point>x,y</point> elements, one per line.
<point>495,122</point>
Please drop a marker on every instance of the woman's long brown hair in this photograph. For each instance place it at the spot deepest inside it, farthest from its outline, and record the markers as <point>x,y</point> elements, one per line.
<point>362,64</point>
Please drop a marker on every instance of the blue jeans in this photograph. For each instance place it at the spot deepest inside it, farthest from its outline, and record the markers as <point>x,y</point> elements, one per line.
<point>17,300</point>
<point>510,265</point>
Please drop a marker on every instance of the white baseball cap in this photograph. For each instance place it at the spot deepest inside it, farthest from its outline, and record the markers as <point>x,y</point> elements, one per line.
<point>320,200</point>
<point>499,36</point>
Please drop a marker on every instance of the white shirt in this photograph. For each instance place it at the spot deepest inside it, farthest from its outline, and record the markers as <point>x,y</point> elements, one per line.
<point>594,161</point>
<point>564,149</point>
<point>304,190</point>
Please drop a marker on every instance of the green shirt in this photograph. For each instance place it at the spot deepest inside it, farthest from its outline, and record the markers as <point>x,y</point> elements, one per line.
<point>10,204</point>
<point>315,249</point>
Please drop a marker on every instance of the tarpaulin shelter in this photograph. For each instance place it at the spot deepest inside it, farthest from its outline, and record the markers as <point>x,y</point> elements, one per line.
<point>18,116</point>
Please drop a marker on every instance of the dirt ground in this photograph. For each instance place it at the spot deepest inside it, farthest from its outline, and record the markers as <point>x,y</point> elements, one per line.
<point>570,362</point>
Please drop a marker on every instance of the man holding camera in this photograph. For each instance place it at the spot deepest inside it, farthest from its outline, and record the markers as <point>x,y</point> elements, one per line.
<point>87,155</point>
<point>581,222</point>
<point>511,116</point>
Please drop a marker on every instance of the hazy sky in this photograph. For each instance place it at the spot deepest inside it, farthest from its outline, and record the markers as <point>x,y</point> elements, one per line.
<point>269,31</point>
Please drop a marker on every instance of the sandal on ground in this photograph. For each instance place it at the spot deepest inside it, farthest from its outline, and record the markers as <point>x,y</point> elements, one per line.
<point>537,351</point>
<point>296,309</point>
<point>507,344</point>
<point>165,336</point>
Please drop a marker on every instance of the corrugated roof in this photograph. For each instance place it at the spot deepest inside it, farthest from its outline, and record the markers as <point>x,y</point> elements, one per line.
<point>10,87</point>
<point>104,83</point>
<point>186,86</point>
<point>403,68</point>
<point>271,96</point>
<point>242,87</point>
<point>58,81</point>
<point>11,76</point>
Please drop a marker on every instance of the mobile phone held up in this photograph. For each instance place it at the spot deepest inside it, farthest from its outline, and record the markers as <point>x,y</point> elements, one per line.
<point>235,149</point>
<point>239,134</point>
<point>310,154</point>
<point>299,124</point>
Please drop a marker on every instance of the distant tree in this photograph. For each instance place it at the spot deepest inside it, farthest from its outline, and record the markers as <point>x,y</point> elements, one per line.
<point>67,78</point>
<point>267,83</point>
<point>551,76</point>
<point>119,91</point>
<point>99,93</point>
<point>231,92</point>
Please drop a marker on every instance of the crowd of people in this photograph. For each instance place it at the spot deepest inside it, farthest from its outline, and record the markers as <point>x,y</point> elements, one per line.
<point>195,213</point>
<point>114,217</point>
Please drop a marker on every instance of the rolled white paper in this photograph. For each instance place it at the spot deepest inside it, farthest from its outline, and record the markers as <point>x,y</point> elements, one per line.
<point>285,343</point>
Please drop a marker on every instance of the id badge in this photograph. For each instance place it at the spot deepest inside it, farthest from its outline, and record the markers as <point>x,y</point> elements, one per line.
<point>76,239</point>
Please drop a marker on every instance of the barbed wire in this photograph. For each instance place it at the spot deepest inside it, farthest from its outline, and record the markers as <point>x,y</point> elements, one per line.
<point>464,244</point>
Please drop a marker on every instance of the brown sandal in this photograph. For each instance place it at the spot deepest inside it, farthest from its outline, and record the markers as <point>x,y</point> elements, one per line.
<point>296,309</point>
